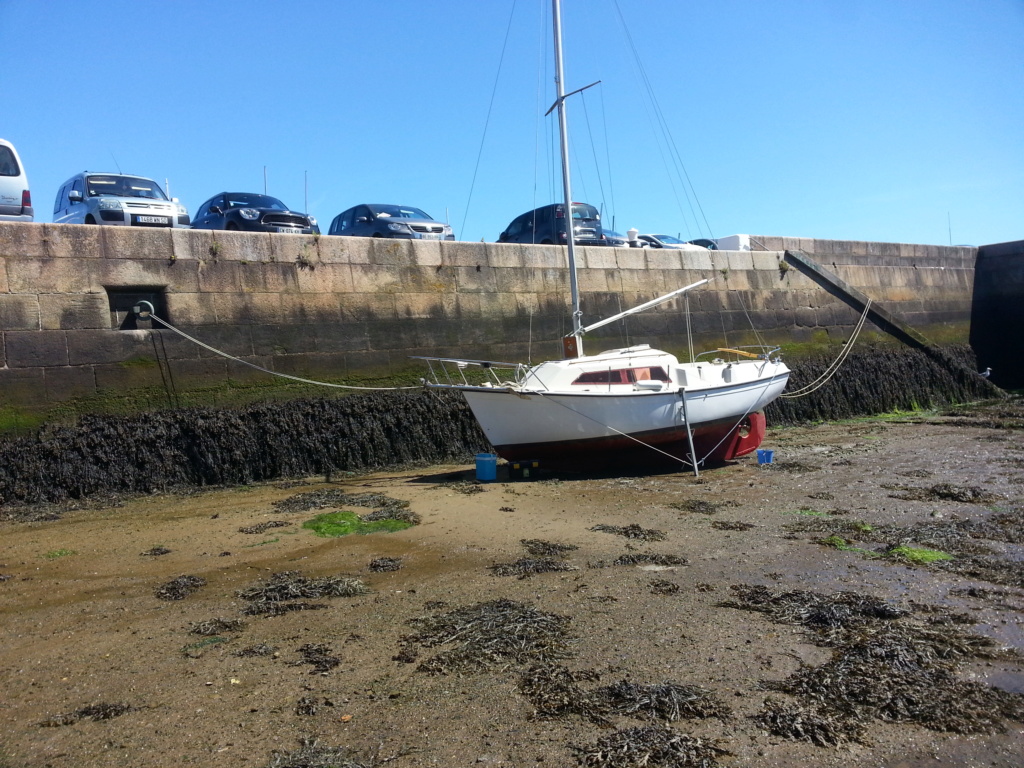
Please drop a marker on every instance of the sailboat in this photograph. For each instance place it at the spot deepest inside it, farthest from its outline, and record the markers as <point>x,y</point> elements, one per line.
<point>622,407</point>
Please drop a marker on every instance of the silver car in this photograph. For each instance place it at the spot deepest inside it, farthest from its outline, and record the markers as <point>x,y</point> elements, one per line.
<point>119,199</point>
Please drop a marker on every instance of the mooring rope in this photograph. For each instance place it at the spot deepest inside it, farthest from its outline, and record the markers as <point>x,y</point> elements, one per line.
<point>267,370</point>
<point>833,368</point>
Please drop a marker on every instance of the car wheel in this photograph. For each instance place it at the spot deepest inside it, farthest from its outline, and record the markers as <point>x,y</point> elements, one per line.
<point>545,242</point>
<point>89,219</point>
<point>231,227</point>
<point>376,234</point>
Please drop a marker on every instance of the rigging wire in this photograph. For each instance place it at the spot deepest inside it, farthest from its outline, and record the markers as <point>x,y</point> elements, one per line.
<point>666,134</point>
<point>833,368</point>
<point>487,120</point>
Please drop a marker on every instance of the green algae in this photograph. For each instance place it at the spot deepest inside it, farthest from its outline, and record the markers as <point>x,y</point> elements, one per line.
<point>334,524</point>
<point>918,555</point>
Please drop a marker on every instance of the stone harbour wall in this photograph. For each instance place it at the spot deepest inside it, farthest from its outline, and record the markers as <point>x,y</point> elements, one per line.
<point>353,310</point>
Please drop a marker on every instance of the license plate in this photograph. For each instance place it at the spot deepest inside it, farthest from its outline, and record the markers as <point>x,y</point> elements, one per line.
<point>289,230</point>
<point>151,220</point>
<point>430,236</point>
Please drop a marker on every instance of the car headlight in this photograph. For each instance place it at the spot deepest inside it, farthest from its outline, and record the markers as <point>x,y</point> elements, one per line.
<point>106,204</point>
<point>396,226</point>
<point>447,229</point>
<point>312,221</point>
<point>249,213</point>
<point>180,210</point>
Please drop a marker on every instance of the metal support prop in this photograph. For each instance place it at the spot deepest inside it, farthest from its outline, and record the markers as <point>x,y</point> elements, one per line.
<point>689,433</point>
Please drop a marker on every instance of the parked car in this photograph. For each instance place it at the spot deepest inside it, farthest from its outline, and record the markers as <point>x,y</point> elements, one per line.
<point>251,212</point>
<point>380,220</point>
<point>119,199</point>
<point>547,225</point>
<point>704,242</point>
<point>615,239</point>
<point>667,241</point>
<point>15,198</point>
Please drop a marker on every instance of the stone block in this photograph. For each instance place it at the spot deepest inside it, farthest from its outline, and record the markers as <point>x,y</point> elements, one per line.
<point>762,260</point>
<point>189,374</point>
<point>508,255</point>
<point>419,306</point>
<point>63,241</point>
<point>277,340</point>
<point>427,253</point>
<point>36,349</point>
<point>388,252</point>
<point>22,240</point>
<point>340,337</point>
<point>220,276</point>
<point>69,382</point>
<point>702,261</point>
<point>597,257</point>
<point>475,279</point>
<point>324,278</point>
<point>304,308</point>
<point>34,276</point>
<point>248,308</point>
<point>368,306</point>
<point>135,243</point>
<point>593,280</point>
<point>372,278</point>
<point>89,347</point>
<point>71,311</point>
<point>301,250</point>
<point>191,309</point>
<point>19,312</point>
<point>664,258</point>
<point>631,258</point>
<point>273,277</point>
<point>22,387</point>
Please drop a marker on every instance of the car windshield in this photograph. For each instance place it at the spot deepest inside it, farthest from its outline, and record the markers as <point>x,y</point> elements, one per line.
<point>669,239</point>
<point>613,233</point>
<point>124,186</point>
<point>399,212</point>
<point>246,200</point>
<point>585,213</point>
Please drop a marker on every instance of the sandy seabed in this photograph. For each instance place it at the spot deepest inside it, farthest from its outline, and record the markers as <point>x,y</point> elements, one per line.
<point>97,670</point>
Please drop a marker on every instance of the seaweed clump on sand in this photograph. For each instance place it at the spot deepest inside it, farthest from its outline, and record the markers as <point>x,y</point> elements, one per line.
<point>319,656</point>
<point>385,564</point>
<point>286,591</point>
<point>261,527</point>
<point>541,548</point>
<point>632,531</point>
<point>494,634</point>
<point>312,754</point>
<point>530,566</point>
<point>555,691</point>
<point>94,712</point>
<point>213,627</point>
<point>647,558</point>
<point>884,666</point>
<point>194,447</point>
<point>180,588</point>
<point>649,746</point>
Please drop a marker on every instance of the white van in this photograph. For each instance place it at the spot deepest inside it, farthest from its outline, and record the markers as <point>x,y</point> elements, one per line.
<point>15,199</point>
<point>116,198</point>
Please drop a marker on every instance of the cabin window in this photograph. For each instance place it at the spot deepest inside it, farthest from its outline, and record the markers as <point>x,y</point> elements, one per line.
<point>623,376</point>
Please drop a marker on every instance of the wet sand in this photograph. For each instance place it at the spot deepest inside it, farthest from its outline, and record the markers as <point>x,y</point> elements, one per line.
<point>82,624</point>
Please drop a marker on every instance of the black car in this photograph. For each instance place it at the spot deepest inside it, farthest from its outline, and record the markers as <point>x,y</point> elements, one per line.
<point>250,212</point>
<point>386,220</point>
<point>547,225</point>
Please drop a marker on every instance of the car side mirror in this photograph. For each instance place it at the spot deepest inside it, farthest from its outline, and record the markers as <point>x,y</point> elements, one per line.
<point>75,196</point>
<point>361,219</point>
<point>215,209</point>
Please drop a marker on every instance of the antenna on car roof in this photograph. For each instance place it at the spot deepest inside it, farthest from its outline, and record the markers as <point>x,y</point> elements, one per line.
<point>115,161</point>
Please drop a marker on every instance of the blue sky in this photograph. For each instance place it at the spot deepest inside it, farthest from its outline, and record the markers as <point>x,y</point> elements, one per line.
<point>861,119</point>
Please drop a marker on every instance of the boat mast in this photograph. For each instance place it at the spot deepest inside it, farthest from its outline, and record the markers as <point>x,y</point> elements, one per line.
<point>563,140</point>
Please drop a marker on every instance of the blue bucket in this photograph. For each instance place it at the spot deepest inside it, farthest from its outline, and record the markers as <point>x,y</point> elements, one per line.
<point>765,456</point>
<point>486,467</point>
